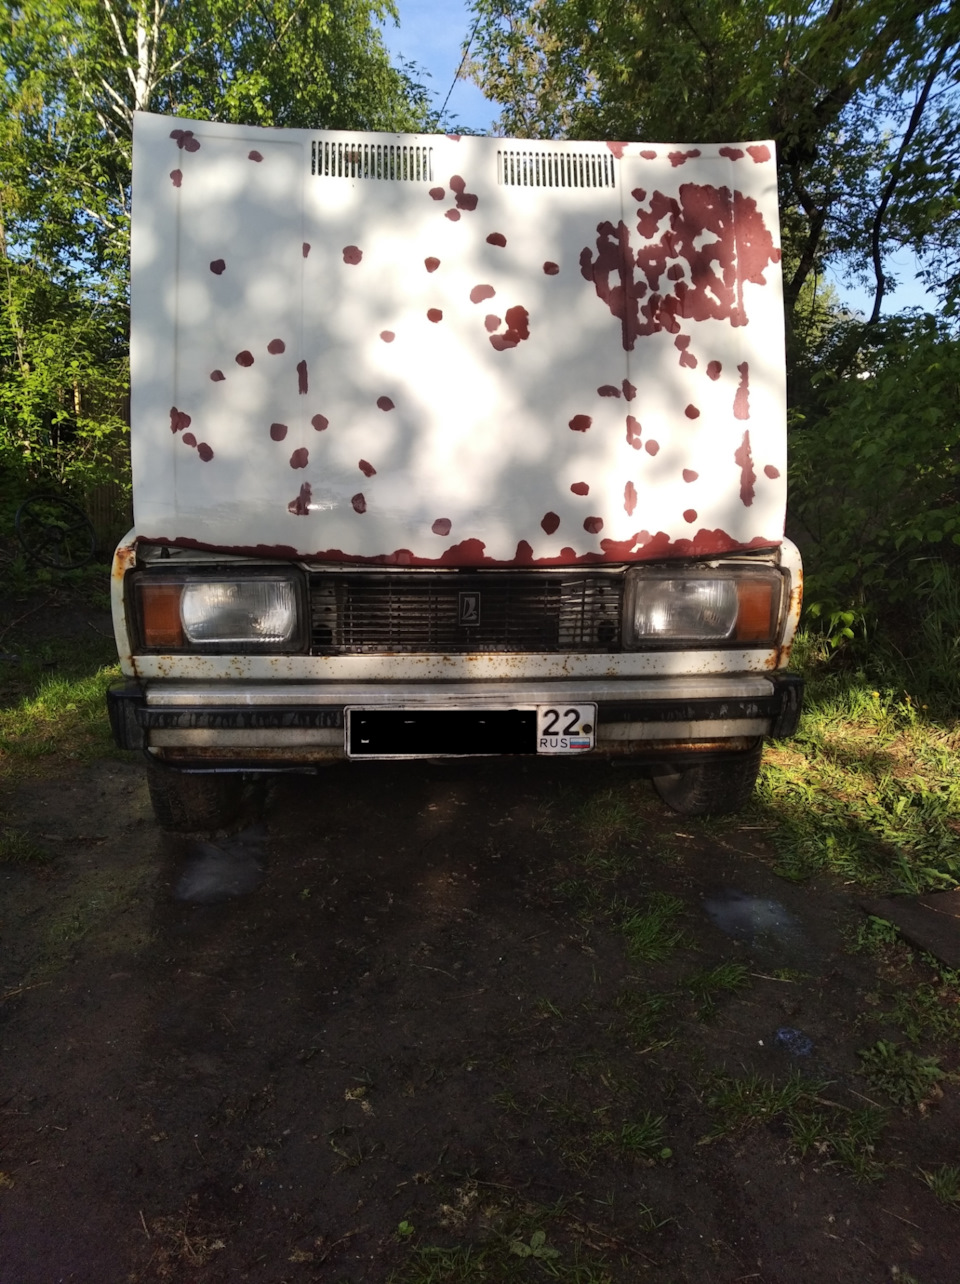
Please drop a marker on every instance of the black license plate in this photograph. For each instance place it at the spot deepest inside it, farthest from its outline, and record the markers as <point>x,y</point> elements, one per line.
<point>440,733</point>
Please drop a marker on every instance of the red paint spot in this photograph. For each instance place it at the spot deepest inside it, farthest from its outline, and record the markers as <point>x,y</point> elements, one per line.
<point>629,390</point>
<point>550,522</point>
<point>438,193</point>
<point>629,498</point>
<point>387,336</point>
<point>278,432</point>
<point>518,319</point>
<point>302,384</point>
<point>384,403</point>
<point>618,149</point>
<point>633,432</point>
<point>431,264</point>
<point>608,390</point>
<point>299,458</point>
<point>675,273</point>
<point>760,153</point>
<point>580,488</point>
<point>320,422</point>
<point>352,255</point>
<point>491,322</point>
<point>441,526</point>
<point>580,423</point>
<point>179,420</point>
<point>452,215</point>
<point>254,156</point>
<point>732,153</point>
<point>744,459</point>
<point>771,472</point>
<point>205,452</point>
<point>300,507</point>
<point>593,525</point>
<point>502,342</point>
<point>434,314</point>
<point>680,158</point>
<point>689,475</point>
<point>359,504</point>
<point>648,155</point>
<point>551,269</point>
<point>176,177</point>
<point>690,515</point>
<point>465,200</point>
<point>721,236</point>
<point>481,292</point>
<point>652,447</point>
<point>217,267</point>
<point>306,251</point>
<point>276,346</point>
<point>454,138</point>
<point>682,341</point>
<point>497,238</point>
<point>368,470</point>
<point>188,439</point>
<point>692,412</point>
<point>244,358</point>
<point>741,400</point>
<point>217,376</point>
<point>185,139</point>
<point>713,370</point>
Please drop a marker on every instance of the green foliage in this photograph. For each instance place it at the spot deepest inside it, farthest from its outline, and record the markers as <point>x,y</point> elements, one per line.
<point>905,1077</point>
<point>875,481</point>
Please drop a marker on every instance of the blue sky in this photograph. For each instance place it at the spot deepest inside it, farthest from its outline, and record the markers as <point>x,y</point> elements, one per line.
<point>432,33</point>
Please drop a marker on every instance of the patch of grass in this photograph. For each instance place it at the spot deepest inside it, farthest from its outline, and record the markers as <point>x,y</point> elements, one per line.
<point>928,1011</point>
<point>706,985</point>
<point>647,1017</point>
<point>905,1077</point>
<point>739,1103</point>
<point>848,1138</point>
<point>870,787</point>
<point>66,716</point>
<point>641,1138</point>
<point>17,848</point>
<point>944,1181</point>
<point>652,932</point>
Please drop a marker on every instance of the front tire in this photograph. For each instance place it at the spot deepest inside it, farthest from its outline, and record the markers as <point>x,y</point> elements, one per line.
<point>184,802</point>
<point>714,787</point>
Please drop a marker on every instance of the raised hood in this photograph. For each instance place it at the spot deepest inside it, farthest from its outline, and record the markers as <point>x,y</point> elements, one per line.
<point>398,349</point>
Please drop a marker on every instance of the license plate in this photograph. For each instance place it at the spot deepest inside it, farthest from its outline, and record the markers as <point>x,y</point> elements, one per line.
<point>566,728</point>
<point>454,733</point>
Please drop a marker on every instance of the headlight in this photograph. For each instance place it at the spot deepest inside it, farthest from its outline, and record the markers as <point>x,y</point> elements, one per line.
<point>697,608</point>
<point>219,611</point>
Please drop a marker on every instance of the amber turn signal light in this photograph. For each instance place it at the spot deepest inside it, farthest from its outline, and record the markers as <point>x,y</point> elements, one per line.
<point>757,609</point>
<point>160,614</point>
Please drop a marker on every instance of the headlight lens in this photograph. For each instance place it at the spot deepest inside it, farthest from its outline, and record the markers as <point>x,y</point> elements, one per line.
<point>220,611</point>
<point>697,608</point>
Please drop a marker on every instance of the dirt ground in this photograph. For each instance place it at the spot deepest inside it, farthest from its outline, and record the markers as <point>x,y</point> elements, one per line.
<point>491,1021</point>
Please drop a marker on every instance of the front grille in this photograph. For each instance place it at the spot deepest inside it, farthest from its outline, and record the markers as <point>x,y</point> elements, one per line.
<point>451,613</point>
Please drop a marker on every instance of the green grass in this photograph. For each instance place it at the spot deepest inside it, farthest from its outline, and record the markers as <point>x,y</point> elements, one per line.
<point>869,789</point>
<point>905,1077</point>
<point>17,848</point>
<point>65,715</point>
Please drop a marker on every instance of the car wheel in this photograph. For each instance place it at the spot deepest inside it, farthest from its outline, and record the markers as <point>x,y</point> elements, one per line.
<point>714,787</point>
<point>185,802</point>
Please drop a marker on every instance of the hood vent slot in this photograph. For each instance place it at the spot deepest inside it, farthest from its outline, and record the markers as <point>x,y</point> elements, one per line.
<point>531,168</point>
<point>385,161</point>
